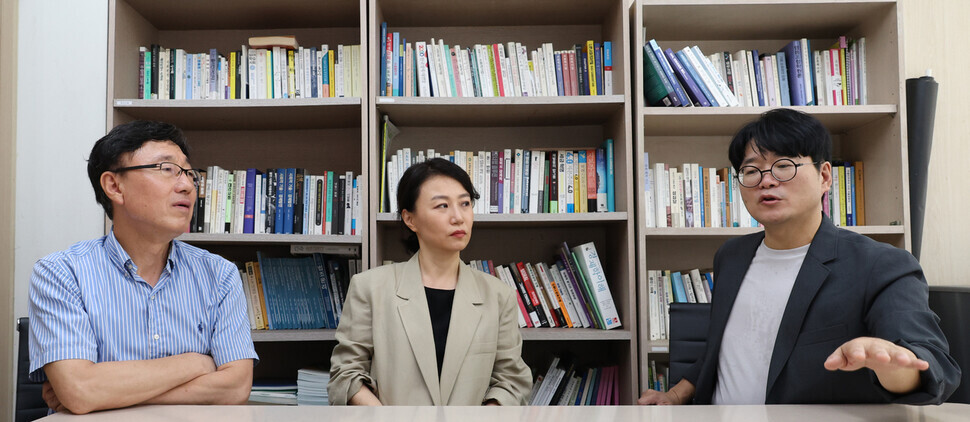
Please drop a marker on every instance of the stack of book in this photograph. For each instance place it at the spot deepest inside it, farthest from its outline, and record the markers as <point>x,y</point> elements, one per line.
<point>273,392</point>
<point>296,293</point>
<point>666,287</point>
<point>312,387</point>
<point>269,67</point>
<point>794,76</point>
<point>657,376</point>
<point>281,201</point>
<point>564,384</point>
<point>573,292</point>
<point>845,202</point>
<point>435,69</point>
<point>523,181</point>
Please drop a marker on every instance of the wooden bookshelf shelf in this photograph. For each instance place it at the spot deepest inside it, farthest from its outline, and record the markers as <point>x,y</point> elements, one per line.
<point>293,335</point>
<point>714,121</point>
<point>728,232</point>
<point>267,239</point>
<point>500,111</point>
<point>270,114</point>
<point>495,12</point>
<point>528,334</point>
<point>530,219</point>
<point>251,14</point>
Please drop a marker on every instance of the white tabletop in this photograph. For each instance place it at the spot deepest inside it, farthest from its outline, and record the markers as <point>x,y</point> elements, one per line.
<point>825,413</point>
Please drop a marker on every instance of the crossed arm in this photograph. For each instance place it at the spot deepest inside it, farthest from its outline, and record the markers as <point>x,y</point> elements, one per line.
<point>81,386</point>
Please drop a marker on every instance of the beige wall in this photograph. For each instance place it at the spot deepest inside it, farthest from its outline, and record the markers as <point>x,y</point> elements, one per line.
<point>934,36</point>
<point>8,101</point>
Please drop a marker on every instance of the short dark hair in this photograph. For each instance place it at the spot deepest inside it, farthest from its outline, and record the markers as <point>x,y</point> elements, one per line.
<point>409,188</point>
<point>785,132</point>
<point>123,139</point>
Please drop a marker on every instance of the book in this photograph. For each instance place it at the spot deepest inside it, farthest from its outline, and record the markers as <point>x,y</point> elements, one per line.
<point>270,41</point>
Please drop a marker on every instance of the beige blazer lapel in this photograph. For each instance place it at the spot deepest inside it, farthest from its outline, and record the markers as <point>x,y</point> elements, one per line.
<point>417,325</point>
<point>465,317</point>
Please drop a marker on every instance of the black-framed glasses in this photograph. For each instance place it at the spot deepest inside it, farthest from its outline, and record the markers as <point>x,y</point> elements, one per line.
<point>169,170</point>
<point>782,170</point>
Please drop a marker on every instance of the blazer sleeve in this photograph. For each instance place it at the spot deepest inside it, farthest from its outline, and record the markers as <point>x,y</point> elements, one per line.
<point>351,360</point>
<point>511,380</point>
<point>900,313</point>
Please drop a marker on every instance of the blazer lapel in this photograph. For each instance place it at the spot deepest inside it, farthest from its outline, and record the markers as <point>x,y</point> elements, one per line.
<point>465,317</point>
<point>810,278</point>
<point>417,325</point>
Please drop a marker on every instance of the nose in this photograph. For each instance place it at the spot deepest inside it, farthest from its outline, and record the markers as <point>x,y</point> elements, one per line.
<point>183,182</point>
<point>456,217</point>
<point>768,180</point>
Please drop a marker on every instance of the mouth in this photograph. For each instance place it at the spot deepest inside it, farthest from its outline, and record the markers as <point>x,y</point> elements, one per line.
<point>184,205</point>
<point>458,233</point>
<point>769,199</point>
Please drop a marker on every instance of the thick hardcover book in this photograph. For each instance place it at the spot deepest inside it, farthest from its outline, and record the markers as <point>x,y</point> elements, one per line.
<point>298,200</point>
<point>693,91</point>
<point>592,268</point>
<point>796,72</point>
<point>657,90</point>
<point>668,74</point>
<point>289,200</point>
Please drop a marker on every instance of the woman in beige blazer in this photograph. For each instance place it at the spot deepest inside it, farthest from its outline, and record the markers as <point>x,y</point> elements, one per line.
<point>430,331</point>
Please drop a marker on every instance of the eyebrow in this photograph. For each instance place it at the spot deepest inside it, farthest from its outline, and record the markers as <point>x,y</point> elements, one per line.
<point>464,195</point>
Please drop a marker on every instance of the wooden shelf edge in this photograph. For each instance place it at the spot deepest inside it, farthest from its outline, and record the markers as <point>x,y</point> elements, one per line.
<point>573,334</point>
<point>386,217</point>
<point>501,101</point>
<point>268,238</point>
<point>260,336</point>
<point>278,102</point>
<point>754,111</point>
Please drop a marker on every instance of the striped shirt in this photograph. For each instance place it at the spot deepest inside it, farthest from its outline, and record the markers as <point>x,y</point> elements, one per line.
<point>89,302</point>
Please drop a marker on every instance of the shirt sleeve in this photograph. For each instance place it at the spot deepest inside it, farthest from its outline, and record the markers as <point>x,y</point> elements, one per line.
<point>59,324</point>
<point>232,337</point>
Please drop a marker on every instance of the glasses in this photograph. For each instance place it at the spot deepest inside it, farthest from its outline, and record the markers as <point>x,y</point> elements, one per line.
<point>782,170</point>
<point>169,170</point>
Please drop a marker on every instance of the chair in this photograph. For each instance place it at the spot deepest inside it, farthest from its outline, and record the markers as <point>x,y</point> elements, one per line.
<point>952,305</point>
<point>688,336</point>
<point>30,404</point>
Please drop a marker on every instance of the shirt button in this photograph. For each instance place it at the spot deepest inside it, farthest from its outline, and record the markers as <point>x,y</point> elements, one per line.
<point>155,337</point>
<point>153,297</point>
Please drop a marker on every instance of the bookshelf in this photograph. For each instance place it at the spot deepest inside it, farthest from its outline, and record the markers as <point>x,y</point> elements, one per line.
<point>873,133</point>
<point>318,134</point>
<point>521,122</point>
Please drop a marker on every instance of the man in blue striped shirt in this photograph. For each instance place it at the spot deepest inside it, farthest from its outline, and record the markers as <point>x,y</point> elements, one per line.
<point>135,316</point>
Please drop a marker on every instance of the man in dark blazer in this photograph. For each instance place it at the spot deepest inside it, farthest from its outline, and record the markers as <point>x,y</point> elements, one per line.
<point>805,312</point>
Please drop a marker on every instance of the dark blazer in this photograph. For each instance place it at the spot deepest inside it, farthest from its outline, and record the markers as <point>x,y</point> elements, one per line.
<point>848,286</point>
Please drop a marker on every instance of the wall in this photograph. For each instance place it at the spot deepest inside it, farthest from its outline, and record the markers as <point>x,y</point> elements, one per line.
<point>934,36</point>
<point>8,133</point>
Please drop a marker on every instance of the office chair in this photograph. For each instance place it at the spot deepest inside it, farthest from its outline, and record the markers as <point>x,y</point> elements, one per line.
<point>688,336</point>
<point>30,404</point>
<point>952,305</point>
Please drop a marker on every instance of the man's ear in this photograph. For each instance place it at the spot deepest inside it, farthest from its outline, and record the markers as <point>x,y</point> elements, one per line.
<point>111,184</point>
<point>825,171</point>
<point>408,218</point>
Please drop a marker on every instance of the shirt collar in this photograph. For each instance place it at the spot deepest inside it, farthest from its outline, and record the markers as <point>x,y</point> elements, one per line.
<point>120,258</point>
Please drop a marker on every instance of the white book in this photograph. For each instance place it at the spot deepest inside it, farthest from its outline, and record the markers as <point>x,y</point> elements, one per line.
<point>698,283</point>
<point>689,211</point>
<point>806,56</point>
<point>298,73</point>
<point>545,296</point>
<point>392,179</point>
<point>310,221</point>
<point>774,71</point>
<point>210,173</point>
<point>525,76</point>
<point>484,80</point>
<point>517,195</point>
<point>549,62</point>
<point>444,62</point>
<point>592,268</point>
<point>433,69</point>
<point>506,180</point>
<point>750,63</point>
<point>546,380</point>
<point>506,74</point>
<point>535,181</point>
<point>740,67</point>
<point>835,197</point>
<point>338,68</point>
<point>464,64</point>
<point>653,304</point>
<point>258,72</point>
<point>223,197</point>
<point>557,297</point>
<point>424,84</point>
<point>863,80</point>
<point>661,197</point>
<point>249,302</point>
<point>239,201</point>
<point>714,197</point>
<point>674,198</point>
<point>835,85</point>
<point>706,73</point>
<point>348,200</point>
<point>697,191</point>
<point>538,74</point>
<point>820,79</point>
<point>163,59</point>
<point>513,69</point>
<point>729,96</point>
<point>650,202</point>
<point>568,175</point>
<point>358,181</point>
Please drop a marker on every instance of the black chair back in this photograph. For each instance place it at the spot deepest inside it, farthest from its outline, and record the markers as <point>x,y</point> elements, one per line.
<point>30,404</point>
<point>688,336</point>
<point>952,305</point>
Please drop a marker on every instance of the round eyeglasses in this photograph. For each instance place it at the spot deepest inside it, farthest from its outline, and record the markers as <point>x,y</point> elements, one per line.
<point>782,170</point>
<point>169,171</point>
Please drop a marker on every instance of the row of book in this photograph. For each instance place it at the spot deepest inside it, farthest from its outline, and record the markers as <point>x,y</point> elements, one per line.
<point>666,287</point>
<point>693,196</point>
<point>658,375</point>
<point>845,202</point>
<point>435,69</point>
<point>249,73</point>
<point>572,293</point>
<point>523,181</point>
<point>280,201</point>
<point>794,76</point>
<point>565,384</point>
<point>296,293</point>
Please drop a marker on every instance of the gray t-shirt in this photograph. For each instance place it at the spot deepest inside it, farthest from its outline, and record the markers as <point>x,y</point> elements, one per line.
<point>752,327</point>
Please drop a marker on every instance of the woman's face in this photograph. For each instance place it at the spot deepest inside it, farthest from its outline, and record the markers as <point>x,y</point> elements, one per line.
<point>442,216</point>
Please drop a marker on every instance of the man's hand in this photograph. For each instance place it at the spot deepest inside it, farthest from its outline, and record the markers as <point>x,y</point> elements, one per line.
<point>680,393</point>
<point>50,397</point>
<point>896,367</point>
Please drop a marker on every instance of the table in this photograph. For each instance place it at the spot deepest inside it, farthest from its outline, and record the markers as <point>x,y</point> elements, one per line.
<point>774,413</point>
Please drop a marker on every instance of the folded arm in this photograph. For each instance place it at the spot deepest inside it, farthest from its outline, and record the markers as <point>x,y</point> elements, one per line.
<point>229,384</point>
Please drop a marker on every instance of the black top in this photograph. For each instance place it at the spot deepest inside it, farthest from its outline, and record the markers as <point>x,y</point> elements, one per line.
<point>439,305</point>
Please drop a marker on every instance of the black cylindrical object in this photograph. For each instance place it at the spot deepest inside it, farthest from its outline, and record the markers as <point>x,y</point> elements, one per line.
<point>921,114</point>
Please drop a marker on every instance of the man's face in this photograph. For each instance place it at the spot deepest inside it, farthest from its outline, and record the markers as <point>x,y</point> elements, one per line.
<point>790,203</point>
<point>151,201</point>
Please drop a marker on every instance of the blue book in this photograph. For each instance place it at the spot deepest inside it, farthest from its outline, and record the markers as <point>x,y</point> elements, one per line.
<point>598,57</point>
<point>383,60</point>
<point>692,73</point>
<point>582,386</point>
<point>602,202</point>
<point>610,187</point>
<point>700,178</point>
<point>710,281</point>
<point>783,79</point>
<point>697,96</point>
<point>307,218</point>
<point>401,50</point>
<point>581,70</point>
<point>668,71</point>
<point>757,77</point>
<point>810,68</point>
<point>395,66</point>
<point>559,84</point>
<point>608,64</point>
<point>796,72</point>
<point>324,281</point>
<point>326,74</point>
<point>677,282</point>
<point>249,210</point>
<point>449,55</point>
<point>288,204</point>
<point>473,61</point>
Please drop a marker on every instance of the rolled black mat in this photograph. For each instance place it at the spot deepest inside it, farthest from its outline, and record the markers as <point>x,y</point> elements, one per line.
<point>920,116</point>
